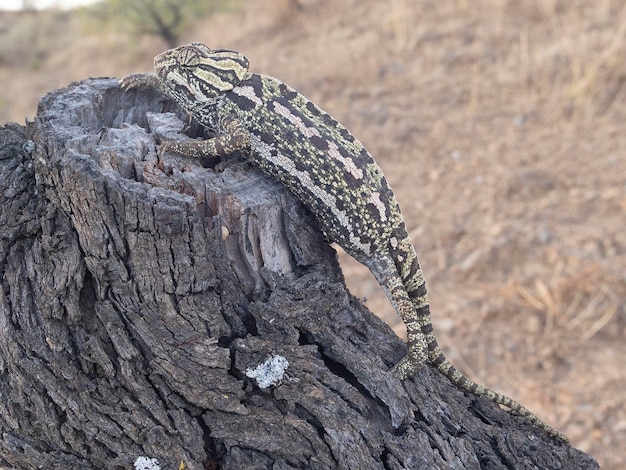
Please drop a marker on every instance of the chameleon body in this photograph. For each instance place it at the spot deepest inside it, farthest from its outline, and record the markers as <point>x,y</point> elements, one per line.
<point>325,167</point>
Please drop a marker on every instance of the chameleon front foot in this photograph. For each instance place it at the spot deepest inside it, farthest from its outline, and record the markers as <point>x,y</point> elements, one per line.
<point>140,80</point>
<point>188,148</point>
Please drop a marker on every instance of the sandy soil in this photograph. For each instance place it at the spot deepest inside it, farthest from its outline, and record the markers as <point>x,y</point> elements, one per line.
<point>500,126</point>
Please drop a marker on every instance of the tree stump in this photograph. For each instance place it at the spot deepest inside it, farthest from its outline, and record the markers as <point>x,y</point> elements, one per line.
<point>140,297</point>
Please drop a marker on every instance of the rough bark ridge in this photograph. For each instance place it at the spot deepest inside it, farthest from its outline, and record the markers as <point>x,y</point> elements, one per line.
<point>135,296</point>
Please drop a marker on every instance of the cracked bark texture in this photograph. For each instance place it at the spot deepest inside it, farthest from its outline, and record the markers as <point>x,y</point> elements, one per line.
<point>136,293</point>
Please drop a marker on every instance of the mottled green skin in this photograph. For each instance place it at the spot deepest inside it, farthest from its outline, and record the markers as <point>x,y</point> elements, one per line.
<point>325,167</point>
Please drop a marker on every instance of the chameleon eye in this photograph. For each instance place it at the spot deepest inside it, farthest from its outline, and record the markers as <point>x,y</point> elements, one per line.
<point>188,59</point>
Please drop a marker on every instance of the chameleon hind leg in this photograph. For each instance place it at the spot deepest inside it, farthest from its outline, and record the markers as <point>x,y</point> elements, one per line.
<point>384,270</point>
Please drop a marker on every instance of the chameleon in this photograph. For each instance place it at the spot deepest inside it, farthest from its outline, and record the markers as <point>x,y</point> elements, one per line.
<point>294,141</point>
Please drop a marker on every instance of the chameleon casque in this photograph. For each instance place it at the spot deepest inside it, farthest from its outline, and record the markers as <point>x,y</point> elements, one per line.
<point>325,167</point>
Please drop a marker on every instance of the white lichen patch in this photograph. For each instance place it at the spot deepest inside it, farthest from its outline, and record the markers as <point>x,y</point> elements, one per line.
<point>271,372</point>
<point>146,463</point>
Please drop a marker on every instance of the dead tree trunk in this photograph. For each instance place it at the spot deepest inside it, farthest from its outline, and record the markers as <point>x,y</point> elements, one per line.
<point>137,297</point>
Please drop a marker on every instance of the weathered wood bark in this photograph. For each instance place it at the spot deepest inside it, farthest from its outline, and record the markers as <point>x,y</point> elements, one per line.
<point>135,295</point>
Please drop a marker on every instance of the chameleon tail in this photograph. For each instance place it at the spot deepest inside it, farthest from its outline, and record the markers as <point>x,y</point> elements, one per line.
<point>413,280</point>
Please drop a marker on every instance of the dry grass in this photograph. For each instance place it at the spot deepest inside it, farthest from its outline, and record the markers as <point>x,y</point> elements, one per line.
<point>500,125</point>
<point>571,303</point>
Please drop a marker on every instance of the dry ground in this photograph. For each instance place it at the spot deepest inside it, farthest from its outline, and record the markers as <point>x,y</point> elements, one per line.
<point>500,125</point>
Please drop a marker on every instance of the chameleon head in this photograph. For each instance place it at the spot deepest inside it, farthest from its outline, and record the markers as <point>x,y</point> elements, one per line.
<point>195,73</point>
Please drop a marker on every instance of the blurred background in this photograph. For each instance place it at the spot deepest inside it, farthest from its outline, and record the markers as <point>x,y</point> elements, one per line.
<point>500,124</point>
